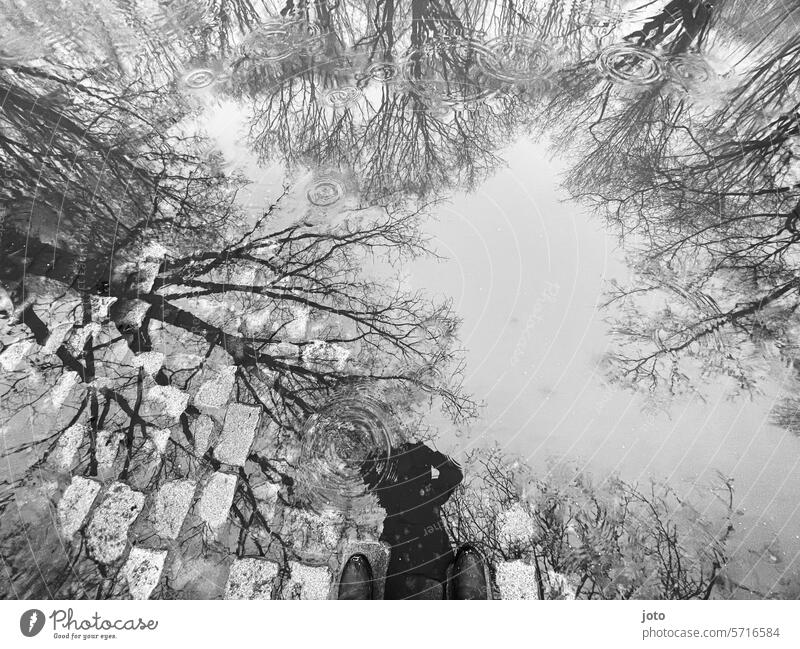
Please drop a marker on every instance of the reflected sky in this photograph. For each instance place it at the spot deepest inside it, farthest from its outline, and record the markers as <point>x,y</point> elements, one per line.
<point>260,188</point>
<point>535,337</point>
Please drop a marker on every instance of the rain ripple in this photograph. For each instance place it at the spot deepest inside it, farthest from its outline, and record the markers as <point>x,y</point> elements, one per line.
<point>199,78</point>
<point>689,70</point>
<point>448,70</point>
<point>338,439</point>
<point>630,64</point>
<point>324,191</point>
<point>342,97</point>
<point>518,59</point>
<point>382,71</point>
<point>278,40</point>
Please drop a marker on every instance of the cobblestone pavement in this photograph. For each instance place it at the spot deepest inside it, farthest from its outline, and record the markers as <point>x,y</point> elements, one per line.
<point>201,506</point>
<point>168,524</point>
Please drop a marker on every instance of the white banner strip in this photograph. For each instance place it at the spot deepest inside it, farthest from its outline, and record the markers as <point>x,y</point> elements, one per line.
<point>266,624</point>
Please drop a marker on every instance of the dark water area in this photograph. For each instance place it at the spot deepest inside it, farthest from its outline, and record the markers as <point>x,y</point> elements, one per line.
<point>247,246</point>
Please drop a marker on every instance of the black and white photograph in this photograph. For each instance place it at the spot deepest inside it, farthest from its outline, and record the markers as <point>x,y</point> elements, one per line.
<point>400,300</point>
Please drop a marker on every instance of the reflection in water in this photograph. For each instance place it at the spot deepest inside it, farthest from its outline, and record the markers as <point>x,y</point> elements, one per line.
<point>447,70</point>
<point>630,64</point>
<point>341,97</point>
<point>678,120</point>
<point>519,59</point>
<point>199,78</point>
<point>412,497</point>
<point>324,191</point>
<point>690,70</point>
<point>276,40</point>
<point>382,71</point>
<point>337,440</point>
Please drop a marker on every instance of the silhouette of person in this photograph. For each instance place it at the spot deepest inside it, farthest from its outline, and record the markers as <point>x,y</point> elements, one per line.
<point>412,497</point>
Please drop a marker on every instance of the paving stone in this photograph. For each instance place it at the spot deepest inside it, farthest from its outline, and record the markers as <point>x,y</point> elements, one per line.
<point>151,362</point>
<point>75,504</point>
<point>237,434</point>
<point>251,579</point>
<point>58,334</point>
<point>215,503</point>
<point>517,580</point>
<point>107,533</point>
<point>100,305</point>
<point>170,506</point>
<point>63,456</point>
<point>315,536</point>
<point>214,393</point>
<point>307,582</point>
<point>171,399</point>
<point>14,354</point>
<point>202,429</point>
<point>157,440</point>
<point>142,571</point>
<point>80,335</point>
<point>515,526</point>
<point>325,354</point>
<point>62,388</point>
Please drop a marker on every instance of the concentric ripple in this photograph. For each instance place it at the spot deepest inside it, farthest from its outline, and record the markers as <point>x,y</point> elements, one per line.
<point>689,70</point>
<point>338,439</point>
<point>324,191</point>
<point>518,59</point>
<point>199,78</point>
<point>630,64</point>
<point>270,42</point>
<point>449,70</point>
<point>342,97</point>
<point>277,40</point>
<point>383,71</point>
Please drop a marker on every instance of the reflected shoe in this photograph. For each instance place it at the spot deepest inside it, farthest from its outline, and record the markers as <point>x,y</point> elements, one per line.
<point>356,581</point>
<point>469,576</point>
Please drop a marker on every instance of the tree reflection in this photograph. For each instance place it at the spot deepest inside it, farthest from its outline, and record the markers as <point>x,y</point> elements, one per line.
<point>429,106</point>
<point>703,191</point>
<point>137,285</point>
